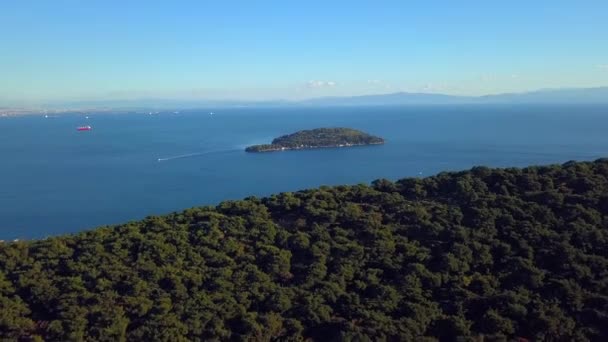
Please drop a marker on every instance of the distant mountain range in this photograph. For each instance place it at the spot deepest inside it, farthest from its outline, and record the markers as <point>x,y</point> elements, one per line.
<point>597,95</point>
<point>548,96</point>
<point>573,95</point>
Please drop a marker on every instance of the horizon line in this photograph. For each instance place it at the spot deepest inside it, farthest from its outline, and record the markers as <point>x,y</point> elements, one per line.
<point>40,104</point>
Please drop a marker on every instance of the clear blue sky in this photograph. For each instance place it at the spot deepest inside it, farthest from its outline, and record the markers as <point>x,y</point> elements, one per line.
<point>64,50</point>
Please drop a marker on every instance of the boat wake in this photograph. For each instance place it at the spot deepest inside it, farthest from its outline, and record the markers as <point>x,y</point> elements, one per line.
<point>197,154</point>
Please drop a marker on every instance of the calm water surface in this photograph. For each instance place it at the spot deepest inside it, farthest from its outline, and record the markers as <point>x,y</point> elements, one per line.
<point>56,180</point>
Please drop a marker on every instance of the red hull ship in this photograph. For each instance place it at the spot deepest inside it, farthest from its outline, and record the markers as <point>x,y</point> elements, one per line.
<point>84,128</point>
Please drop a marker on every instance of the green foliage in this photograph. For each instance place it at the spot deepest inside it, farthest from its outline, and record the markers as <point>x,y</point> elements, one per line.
<point>486,254</point>
<point>319,137</point>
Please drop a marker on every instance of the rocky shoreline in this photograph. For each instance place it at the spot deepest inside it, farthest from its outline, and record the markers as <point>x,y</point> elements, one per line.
<point>253,149</point>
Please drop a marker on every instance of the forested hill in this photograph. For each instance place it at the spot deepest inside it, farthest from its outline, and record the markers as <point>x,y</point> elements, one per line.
<point>499,253</point>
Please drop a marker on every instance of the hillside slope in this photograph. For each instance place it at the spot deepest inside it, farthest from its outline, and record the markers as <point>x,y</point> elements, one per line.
<point>515,253</point>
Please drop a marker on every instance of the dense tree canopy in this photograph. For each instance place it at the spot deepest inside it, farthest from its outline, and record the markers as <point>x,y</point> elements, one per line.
<point>502,254</point>
<point>319,137</point>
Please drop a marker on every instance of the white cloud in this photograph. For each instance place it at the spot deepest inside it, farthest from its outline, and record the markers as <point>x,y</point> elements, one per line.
<point>379,84</point>
<point>603,66</point>
<point>496,77</point>
<point>316,84</point>
<point>433,87</point>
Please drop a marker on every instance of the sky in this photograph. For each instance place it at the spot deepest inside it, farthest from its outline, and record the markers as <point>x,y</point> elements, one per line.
<point>54,50</point>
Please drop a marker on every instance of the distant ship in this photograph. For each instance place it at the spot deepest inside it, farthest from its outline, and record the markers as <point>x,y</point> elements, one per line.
<point>84,128</point>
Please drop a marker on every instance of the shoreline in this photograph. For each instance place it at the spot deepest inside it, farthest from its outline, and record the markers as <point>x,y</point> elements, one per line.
<point>281,149</point>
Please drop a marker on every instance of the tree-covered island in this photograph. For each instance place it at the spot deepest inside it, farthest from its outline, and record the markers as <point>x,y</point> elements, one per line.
<point>318,138</point>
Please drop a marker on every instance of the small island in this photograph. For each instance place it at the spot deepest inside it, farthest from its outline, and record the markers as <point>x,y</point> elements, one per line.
<point>318,138</point>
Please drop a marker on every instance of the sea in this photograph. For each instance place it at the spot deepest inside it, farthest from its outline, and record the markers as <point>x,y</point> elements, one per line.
<point>56,180</point>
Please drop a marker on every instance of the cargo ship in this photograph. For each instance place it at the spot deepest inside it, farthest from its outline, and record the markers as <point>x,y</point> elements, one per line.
<point>84,128</point>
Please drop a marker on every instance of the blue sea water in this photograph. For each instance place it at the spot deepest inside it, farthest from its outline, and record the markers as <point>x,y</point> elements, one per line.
<point>55,180</point>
